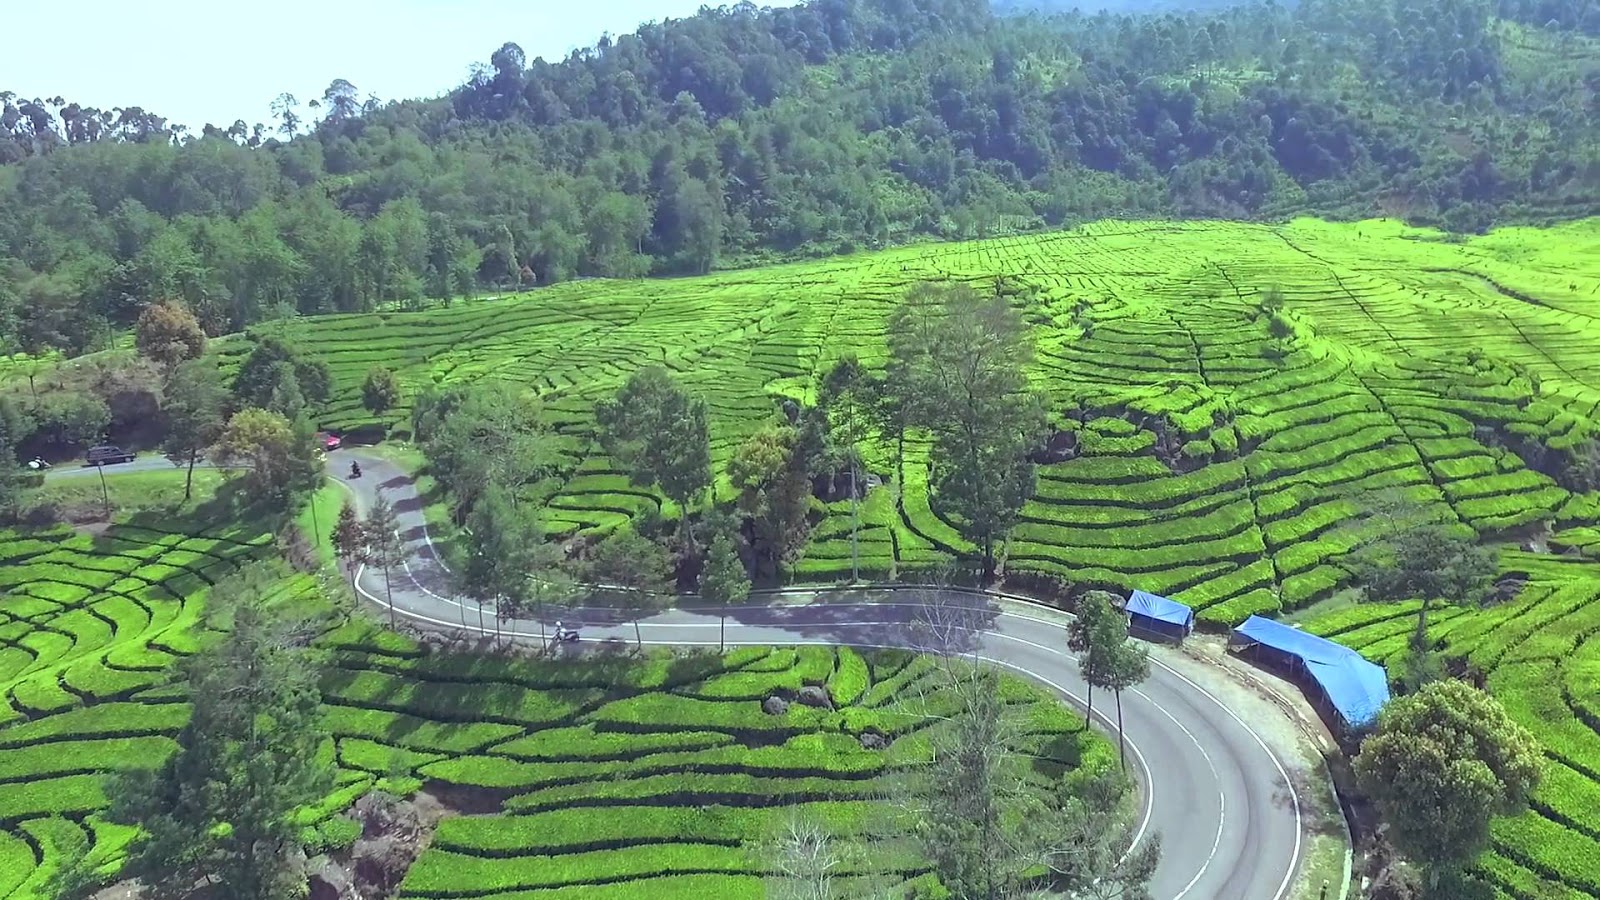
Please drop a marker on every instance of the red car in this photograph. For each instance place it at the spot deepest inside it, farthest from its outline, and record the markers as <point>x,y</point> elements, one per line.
<point>329,441</point>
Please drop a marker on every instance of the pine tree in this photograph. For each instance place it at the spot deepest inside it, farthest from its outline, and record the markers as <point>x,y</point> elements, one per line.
<point>384,548</point>
<point>724,580</point>
<point>219,809</point>
<point>350,539</point>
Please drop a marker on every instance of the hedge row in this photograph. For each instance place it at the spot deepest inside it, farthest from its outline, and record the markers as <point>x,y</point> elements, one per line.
<point>567,830</point>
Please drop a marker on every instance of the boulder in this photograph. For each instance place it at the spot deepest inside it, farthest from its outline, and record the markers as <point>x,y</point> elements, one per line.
<point>331,883</point>
<point>814,695</point>
<point>381,863</point>
<point>872,740</point>
<point>774,706</point>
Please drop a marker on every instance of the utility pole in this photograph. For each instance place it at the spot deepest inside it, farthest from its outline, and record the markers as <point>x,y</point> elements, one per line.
<point>855,521</point>
<point>105,493</point>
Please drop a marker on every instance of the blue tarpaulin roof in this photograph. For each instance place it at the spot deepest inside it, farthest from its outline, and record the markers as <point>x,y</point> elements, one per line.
<point>1160,608</point>
<point>1358,689</point>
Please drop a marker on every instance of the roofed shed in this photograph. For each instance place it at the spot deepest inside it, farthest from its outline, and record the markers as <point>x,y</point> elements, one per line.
<point>1349,687</point>
<point>1159,617</point>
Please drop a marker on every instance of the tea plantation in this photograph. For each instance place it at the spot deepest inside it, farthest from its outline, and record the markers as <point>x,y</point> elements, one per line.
<point>613,777</point>
<point>1540,656</point>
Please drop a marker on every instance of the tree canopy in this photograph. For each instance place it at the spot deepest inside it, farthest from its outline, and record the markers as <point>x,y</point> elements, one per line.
<point>822,127</point>
<point>1441,765</point>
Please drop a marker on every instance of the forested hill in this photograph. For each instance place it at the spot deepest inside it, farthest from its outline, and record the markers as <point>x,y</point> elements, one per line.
<point>742,133</point>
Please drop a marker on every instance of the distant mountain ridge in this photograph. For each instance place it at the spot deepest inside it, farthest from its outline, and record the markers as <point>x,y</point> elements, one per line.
<point>1115,7</point>
<point>743,134</point>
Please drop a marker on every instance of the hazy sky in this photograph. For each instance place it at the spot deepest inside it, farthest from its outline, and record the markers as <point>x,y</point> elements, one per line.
<point>198,61</point>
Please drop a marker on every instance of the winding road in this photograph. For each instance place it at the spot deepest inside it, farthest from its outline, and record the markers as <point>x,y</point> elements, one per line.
<point>1230,819</point>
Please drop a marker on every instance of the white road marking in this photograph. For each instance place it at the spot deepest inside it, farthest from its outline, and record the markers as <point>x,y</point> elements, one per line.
<point>1294,796</point>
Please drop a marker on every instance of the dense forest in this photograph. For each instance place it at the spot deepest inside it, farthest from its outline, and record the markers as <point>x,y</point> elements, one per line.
<point>743,133</point>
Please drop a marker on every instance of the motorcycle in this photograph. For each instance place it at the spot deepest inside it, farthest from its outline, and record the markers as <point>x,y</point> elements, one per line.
<point>355,470</point>
<point>38,464</point>
<point>565,635</point>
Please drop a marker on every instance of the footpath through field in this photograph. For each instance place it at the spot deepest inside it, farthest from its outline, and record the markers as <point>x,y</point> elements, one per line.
<point>1221,784</point>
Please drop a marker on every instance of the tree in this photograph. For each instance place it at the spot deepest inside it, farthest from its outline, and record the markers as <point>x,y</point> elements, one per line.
<point>285,109</point>
<point>275,371</point>
<point>381,391</point>
<point>632,574</point>
<point>168,333</point>
<point>195,400</point>
<point>661,435</point>
<point>1088,844</point>
<point>978,820</point>
<point>1410,555</point>
<point>805,857</point>
<point>1086,637</point>
<point>341,100</point>
<point>1129,665</point>
<point>219,809</point>
<point>769,473</point>
<point>504,542</point>
<point>961,361</point>
<point>384,548</point>
<point>724,580</point>
<point>277,456</point>
<point>350,539</point>
<point>1440,766</point>
<point>846,398</point>
<point>481,434</point>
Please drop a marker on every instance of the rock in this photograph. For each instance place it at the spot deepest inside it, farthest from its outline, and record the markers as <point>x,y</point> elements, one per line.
<point>774,706</point>
<point>872,740</point>
<point>331,883</point>
<point>381,863</point>
<point>813,695</point>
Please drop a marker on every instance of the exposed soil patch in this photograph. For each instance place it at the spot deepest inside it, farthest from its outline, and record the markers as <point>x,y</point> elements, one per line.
<point>467,801</point>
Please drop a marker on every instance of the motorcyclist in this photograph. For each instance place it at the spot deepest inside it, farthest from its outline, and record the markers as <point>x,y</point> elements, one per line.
<point>355,469</point>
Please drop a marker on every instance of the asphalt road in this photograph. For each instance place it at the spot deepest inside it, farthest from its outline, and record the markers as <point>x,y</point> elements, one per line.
<point>1229,819</point>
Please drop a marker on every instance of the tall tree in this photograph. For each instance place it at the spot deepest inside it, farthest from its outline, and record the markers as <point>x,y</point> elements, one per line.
<point>1086,637</point>
<point>220,808</point>
<point>661,435</point>
<point>846,396</point>
<point>486,433</point>
<point>1409,554</point>
<point>506,547</point>
<point>277,457</point>
<point>1441,765</point>
<point>724,580</point>
<point>632,574</point>
<point>385,548</point>
<point>770,474</point>
<point>1129,665</point>
<point>350,539</point>
<point>286,109</point>
<point>168,333</point>
<point>380,392</point>
<point>195,401</point>
<point>963,359</point>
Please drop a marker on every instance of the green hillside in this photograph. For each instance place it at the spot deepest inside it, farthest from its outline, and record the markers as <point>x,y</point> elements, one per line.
<point>1213,462</point>
<point>632,770</point>
<point>743,135</point>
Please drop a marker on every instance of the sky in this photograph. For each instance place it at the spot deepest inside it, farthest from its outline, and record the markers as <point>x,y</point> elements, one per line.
<point>199,61</point>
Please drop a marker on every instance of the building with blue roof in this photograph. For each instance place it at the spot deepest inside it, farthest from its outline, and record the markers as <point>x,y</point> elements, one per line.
<point>1159,617</point>
<point>1349,687</point>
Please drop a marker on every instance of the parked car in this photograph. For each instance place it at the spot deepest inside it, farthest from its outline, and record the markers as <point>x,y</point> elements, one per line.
<point>328,441</point>
<point>106,454</point>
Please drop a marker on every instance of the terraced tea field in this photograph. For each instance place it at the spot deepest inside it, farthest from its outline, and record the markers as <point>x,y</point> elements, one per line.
<point>1460,373</point>
<point>661,775</point>
<point>1540,655</point>
<point>661,778</point>
<point>90,629</point>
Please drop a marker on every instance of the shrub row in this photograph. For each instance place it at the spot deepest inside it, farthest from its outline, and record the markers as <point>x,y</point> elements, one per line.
<point>566,830</point>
